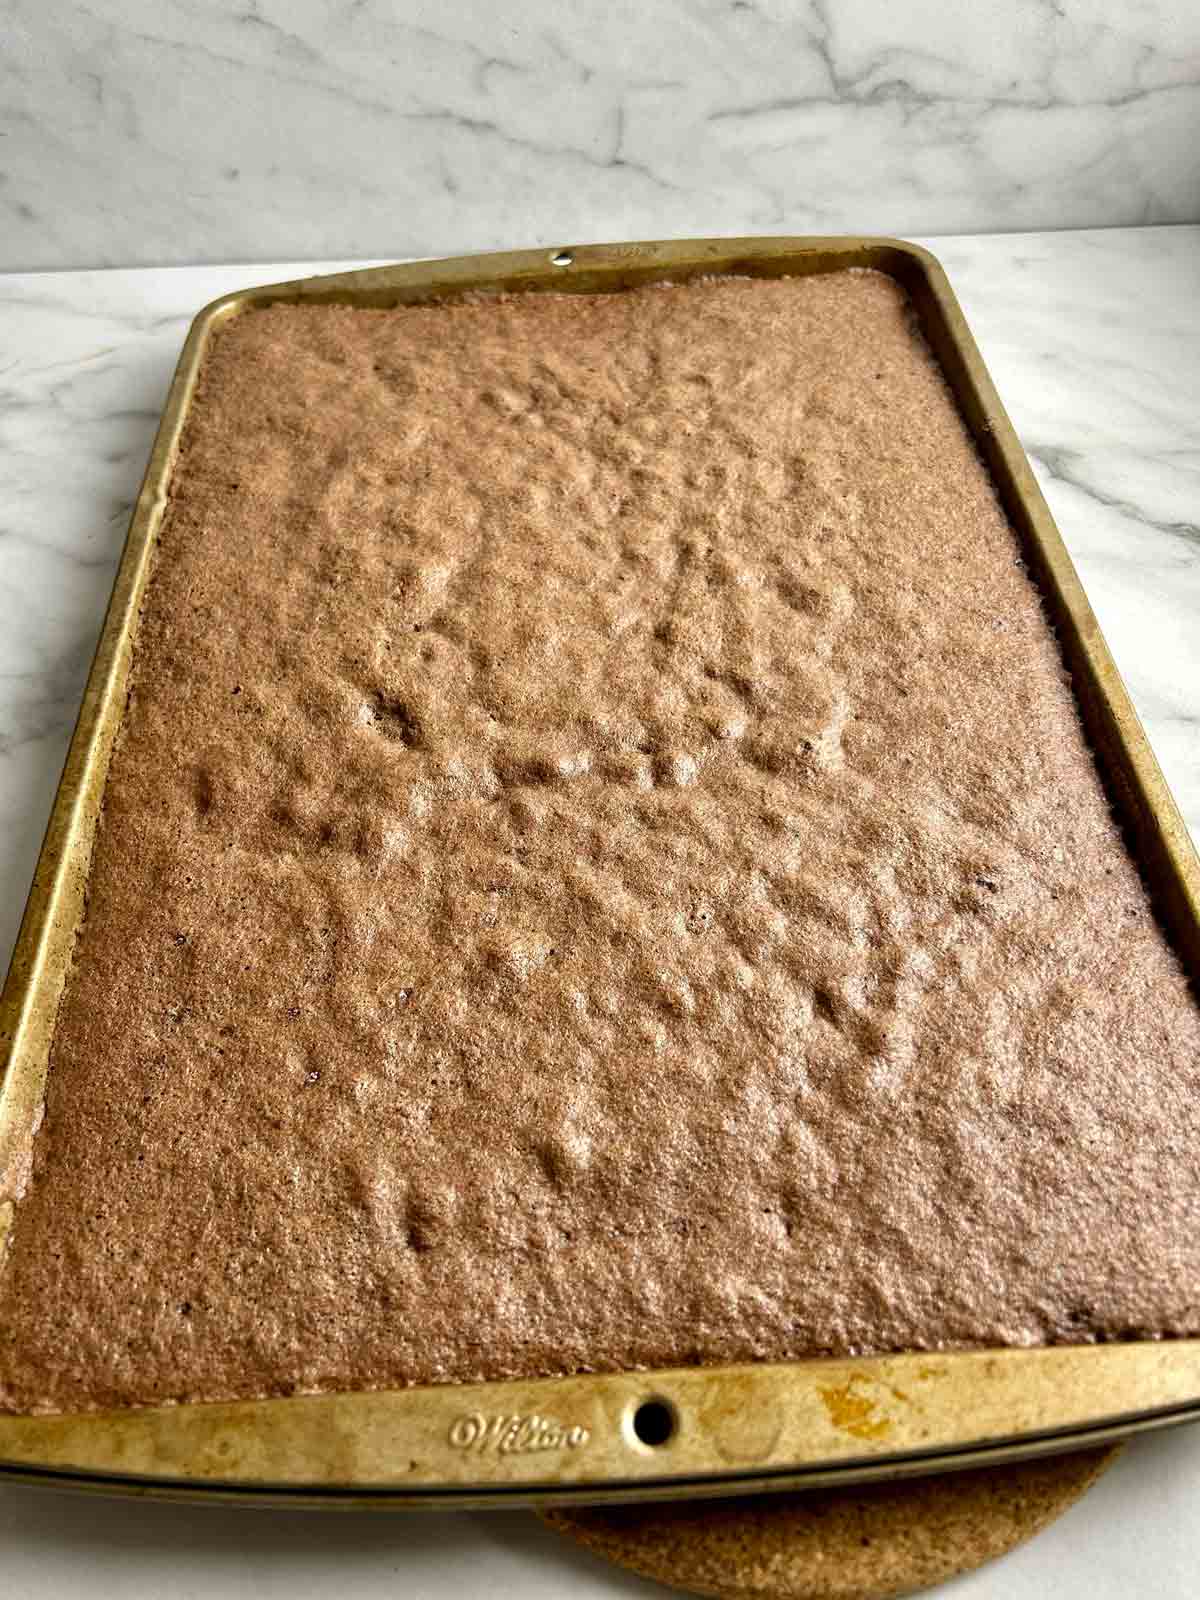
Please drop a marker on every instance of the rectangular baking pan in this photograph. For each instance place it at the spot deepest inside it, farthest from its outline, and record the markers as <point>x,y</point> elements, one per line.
<point>720,1430</point>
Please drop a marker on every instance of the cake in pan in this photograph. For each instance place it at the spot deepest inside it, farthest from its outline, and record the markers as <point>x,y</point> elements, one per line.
<point>601,868</point>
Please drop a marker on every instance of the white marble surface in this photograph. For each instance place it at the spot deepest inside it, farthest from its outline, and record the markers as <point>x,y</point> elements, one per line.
<point>153,131</point>
<point>1094,341</point>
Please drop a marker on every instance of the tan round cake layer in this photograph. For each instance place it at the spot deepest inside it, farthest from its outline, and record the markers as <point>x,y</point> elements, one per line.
<point>873,1542</point>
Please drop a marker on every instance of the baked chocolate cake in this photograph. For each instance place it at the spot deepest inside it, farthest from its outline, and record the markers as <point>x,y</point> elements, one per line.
<point>601,868</point>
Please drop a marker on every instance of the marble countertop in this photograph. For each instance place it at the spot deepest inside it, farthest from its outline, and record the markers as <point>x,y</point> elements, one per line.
<point>153,131</point>
<point>1093,339</point>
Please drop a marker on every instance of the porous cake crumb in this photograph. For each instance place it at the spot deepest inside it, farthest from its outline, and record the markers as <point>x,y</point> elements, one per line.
<point>601,869</point>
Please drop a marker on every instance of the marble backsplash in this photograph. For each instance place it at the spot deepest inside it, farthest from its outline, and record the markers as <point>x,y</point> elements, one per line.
<point>155,131</point>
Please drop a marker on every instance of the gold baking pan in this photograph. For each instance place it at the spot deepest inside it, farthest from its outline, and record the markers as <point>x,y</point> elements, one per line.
<point>701,1431</point>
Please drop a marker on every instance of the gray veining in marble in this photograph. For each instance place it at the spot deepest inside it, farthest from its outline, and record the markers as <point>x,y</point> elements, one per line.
<point>173,131</point>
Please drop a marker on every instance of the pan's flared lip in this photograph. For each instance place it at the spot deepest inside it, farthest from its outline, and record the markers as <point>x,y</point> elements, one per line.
<point>616,1436</point>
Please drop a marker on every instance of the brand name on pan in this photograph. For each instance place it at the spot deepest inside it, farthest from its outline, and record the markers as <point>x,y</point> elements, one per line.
<point>514,1434</point>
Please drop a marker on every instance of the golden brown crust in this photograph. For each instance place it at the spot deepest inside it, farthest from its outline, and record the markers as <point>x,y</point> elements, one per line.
<point>601,868</point>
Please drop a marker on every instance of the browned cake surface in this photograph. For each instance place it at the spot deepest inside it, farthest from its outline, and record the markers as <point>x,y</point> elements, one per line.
<point>601,868</point>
